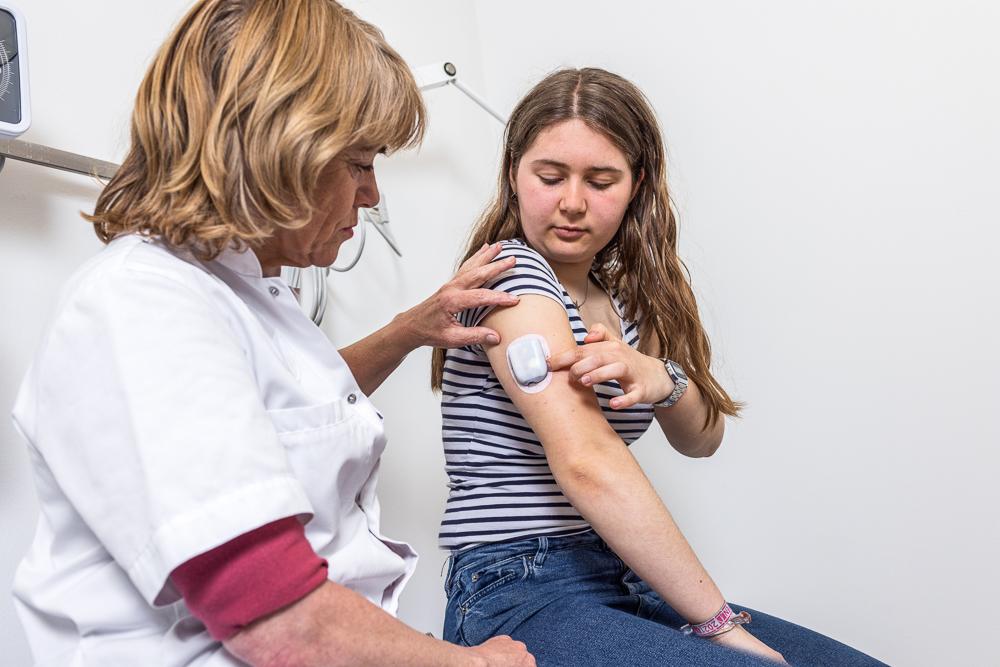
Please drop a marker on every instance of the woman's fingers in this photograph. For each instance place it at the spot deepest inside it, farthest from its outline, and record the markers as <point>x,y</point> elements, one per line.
<point>481,257</point>
<point>475,298</point>
<point>461,336</point>
<point>476,276</point>
<point>436,316</point>
<point>475,256</point>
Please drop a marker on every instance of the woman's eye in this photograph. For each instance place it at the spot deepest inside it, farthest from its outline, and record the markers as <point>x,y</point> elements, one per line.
<point>549,181</point>
<point>358,168</point>
<point>601,186</point>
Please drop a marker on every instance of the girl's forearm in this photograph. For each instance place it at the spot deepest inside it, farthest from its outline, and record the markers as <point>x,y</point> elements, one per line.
<point>683,424</point>
<point>610,490</point>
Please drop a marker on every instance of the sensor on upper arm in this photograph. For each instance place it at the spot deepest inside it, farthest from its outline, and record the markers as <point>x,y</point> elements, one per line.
<point>526,357</point>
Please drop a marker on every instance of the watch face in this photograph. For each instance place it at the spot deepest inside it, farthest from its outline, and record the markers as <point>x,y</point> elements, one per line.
<point>678,371</point>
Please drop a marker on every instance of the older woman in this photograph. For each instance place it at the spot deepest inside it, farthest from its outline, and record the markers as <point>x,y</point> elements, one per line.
<point>205,459</point>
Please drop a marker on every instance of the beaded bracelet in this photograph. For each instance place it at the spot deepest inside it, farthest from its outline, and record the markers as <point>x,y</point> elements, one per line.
<point>723,621</point>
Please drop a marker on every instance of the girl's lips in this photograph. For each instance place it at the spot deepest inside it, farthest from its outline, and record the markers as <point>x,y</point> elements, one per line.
<point>568,233</point>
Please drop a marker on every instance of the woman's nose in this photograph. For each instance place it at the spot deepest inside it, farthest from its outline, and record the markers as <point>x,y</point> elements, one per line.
<point>367,195</point>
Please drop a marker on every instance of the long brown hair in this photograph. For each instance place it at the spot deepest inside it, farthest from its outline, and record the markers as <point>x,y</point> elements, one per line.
<point>641,261</point>
<point>240,111</point>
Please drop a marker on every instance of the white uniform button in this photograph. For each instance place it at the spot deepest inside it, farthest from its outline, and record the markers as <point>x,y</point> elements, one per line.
<point>352,399</point>
<point>273,290</point>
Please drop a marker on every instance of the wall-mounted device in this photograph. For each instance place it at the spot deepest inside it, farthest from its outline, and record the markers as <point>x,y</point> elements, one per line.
<point>15,109</point>
<point>441,74</point>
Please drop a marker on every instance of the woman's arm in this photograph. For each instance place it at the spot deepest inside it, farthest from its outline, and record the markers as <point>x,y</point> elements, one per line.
<point>335,626</point>
<point>644,379</point>
<point>598,474</point>
<point>373,358</point>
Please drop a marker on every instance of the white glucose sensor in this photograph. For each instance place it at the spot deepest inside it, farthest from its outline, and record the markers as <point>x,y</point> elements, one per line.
<point>526,357</point>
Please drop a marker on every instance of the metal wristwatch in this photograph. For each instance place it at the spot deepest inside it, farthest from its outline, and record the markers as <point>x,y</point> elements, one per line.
<point>680,380</point>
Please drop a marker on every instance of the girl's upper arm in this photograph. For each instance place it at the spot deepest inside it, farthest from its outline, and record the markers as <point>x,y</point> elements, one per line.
<point>565,416</point>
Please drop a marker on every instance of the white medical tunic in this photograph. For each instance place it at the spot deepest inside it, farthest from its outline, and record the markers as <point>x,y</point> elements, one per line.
<point>172,406</point>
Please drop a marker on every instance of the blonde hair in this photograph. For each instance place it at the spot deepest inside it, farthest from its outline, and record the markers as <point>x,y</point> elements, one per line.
<point>240,111</point>
<point>641,261</point>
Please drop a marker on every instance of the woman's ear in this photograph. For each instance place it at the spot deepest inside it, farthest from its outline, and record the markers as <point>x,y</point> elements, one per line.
<point>638,182</point>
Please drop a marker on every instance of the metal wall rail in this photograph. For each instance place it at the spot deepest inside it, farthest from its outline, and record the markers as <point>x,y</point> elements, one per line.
<point>54,158</point>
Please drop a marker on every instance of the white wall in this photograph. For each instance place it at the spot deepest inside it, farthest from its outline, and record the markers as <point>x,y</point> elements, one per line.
<point>833,166</point>
<point>836,166</point>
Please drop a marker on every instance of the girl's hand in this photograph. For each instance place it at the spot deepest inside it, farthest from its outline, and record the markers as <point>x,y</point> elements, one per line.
<point>741,640</point>
<point>433,321</point>
<point>603,357</point>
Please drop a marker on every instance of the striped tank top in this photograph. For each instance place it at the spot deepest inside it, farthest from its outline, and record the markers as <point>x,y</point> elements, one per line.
<point>500,484</point>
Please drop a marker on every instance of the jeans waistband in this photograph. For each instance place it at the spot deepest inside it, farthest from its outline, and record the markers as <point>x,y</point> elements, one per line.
<point>537,547</point>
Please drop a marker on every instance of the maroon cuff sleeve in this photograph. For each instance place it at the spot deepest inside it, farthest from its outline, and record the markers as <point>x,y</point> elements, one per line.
<point>250,577</point>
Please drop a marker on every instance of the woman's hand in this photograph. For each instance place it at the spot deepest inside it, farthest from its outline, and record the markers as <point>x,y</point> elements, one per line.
<point>603,357</point>
<point>503,651</point>
<point>741,640</point>
<point>433,322</point>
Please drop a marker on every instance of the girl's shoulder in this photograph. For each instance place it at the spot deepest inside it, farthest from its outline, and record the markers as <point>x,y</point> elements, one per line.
<point>529,260</point>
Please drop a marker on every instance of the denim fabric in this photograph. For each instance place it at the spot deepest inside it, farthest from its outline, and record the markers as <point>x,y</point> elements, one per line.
<point>574,603</point>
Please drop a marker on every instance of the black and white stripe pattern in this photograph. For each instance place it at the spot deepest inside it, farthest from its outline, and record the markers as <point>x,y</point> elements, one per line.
<point>501,485</point>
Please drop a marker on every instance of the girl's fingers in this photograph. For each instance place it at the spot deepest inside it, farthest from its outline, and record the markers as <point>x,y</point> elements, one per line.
<point>607,373</point>
<point>596,334</point>
<point>561,360</point>
<point>586,365</point>
<point>626,400</point>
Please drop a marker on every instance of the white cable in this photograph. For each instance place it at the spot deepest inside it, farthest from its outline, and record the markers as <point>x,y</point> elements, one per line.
<point>362,231</point>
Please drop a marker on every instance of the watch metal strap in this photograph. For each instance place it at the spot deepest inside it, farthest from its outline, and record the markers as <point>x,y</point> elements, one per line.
<point>680,386</point>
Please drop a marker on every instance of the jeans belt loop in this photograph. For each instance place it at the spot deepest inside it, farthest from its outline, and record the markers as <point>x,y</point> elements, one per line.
<point>450,564</point>
<point>543,550</point>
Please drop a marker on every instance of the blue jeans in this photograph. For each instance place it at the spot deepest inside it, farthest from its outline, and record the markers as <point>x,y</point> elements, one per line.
<point>574,603</point>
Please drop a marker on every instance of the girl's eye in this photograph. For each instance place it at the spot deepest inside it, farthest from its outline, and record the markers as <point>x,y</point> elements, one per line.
<point>549,181</point>
<point>364,167</point>
<point>601,186</point>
